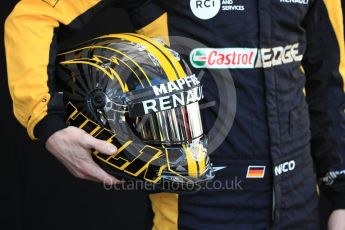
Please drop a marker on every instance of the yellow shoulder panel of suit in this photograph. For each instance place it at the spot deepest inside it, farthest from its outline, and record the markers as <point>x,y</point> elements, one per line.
<point>157,29</point>
<point>33,22</point>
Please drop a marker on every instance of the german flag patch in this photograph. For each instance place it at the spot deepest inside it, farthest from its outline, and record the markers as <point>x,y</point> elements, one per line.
<point>256,171</point>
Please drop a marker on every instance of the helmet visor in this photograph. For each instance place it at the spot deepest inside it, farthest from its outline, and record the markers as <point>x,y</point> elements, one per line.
<point>174,126</point>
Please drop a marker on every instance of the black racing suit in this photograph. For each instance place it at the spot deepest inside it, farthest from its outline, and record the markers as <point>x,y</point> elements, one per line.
<point>281,133</point>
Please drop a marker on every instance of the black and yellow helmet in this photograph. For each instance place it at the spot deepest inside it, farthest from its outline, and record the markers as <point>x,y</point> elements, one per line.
<point>140,95</point>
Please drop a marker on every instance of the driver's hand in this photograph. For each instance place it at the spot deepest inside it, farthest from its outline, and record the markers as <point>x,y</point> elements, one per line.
<point>73,147</point>
<point>337,220</point>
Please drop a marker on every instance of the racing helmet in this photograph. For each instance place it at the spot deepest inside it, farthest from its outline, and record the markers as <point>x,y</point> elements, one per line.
<point>140,95</point>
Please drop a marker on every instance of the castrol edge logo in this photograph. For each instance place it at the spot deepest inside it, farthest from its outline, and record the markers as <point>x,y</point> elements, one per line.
<point>244,58</point>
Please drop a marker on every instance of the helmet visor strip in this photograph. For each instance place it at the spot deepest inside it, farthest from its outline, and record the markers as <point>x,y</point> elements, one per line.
<point>168,113</point>
<point>174,126</point>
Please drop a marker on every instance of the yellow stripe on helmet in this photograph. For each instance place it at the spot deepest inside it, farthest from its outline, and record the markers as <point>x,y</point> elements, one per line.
<point>176,64</point>
<point>110,73</point>
<point>114,50</point>
<point>192,165</point>
<point>165,64</point>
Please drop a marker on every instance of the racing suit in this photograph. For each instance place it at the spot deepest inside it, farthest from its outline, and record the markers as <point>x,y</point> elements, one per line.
<point>279,132</point>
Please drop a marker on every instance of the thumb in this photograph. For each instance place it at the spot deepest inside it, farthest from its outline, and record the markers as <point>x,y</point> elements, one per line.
<point>100,145</point>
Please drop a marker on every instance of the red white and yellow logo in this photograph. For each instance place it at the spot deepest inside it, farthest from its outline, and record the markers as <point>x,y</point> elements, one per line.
<point>244,58</point>
<point>232,58</point>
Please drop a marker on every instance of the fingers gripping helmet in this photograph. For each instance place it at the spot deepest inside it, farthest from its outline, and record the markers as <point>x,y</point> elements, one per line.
<point>140,95</point>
